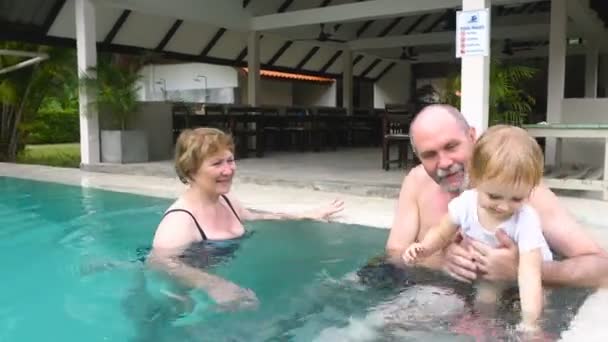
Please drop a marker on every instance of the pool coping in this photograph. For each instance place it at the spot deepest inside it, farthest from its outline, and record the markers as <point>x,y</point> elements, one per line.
<point>357,211</point>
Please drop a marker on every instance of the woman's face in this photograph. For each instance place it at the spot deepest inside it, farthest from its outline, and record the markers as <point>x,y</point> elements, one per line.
<point>216,172</point>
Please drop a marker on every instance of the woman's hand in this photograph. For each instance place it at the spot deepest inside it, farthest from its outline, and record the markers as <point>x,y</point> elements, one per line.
<point>325,212</point>
<point>230,297</point>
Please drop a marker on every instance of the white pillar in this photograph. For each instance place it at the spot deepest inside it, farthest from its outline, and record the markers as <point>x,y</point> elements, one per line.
<point>591,69</point>
<point>475,79</point>
<point>557,74</point>
<point>253,65</point>
<point>87,58</point>
<point>347,81</point>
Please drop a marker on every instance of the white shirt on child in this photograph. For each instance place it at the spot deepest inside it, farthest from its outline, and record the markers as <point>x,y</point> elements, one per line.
<point>523,226</point>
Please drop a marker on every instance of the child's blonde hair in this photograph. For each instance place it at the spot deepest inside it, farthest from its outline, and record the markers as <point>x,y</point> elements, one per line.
<point>193,146</point>
<point>506,154</point>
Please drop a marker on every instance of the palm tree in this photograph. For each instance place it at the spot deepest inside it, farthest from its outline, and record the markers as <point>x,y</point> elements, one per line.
<point>116,80</point>
<point>22,91</point>
<point>509,103</point>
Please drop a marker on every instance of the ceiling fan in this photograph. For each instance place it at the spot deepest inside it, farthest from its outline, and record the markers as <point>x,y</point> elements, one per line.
<point>510,48</point>
<point>408,54</point>
<point>322,37</point>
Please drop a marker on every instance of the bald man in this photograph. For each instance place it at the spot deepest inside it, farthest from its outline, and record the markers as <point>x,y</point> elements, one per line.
<point>443,141</point>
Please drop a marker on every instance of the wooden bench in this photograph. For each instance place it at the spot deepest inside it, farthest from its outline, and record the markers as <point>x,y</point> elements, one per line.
<point>590,180</point>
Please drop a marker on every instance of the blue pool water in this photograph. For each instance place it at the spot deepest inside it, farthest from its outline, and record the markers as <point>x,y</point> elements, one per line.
<point>69,256</point>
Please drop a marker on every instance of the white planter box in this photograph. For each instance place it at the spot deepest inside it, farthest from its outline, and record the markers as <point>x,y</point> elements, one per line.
<point>124,147</point>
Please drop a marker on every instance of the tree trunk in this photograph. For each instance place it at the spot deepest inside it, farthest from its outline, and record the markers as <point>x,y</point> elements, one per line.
<point>8,112</point>
<point>13,140</point>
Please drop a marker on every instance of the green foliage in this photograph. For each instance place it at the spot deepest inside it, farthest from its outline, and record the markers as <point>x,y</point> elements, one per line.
<point>117,87</point>
<point>49,79</point>
<point>51,127</point>
<point>22,91</point>
<point>509,102</point>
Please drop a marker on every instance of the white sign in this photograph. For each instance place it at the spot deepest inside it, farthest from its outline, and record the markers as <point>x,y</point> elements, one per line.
<point>472,33</point>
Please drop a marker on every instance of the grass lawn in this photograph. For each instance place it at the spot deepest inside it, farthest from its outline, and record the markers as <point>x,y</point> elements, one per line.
<point>64,155</point>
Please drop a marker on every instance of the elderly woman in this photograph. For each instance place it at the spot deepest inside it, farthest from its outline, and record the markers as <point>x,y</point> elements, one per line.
<point>205,214</point>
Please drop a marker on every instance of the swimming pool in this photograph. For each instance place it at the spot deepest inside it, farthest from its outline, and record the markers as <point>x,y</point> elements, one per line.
<point>69,257</point>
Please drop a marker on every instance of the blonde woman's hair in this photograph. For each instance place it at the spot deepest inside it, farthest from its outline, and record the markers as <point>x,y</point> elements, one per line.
<point>507,154</point>
<point>193,146</point>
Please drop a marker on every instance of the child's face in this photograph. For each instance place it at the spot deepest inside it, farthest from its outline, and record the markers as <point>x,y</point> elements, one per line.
<point>502,200</point>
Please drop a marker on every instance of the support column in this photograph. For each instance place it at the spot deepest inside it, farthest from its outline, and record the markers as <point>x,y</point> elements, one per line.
<point>253,65</point>
<point>87,58</point>
<point>557,75</point>
<point>591,69</point>
<point>475,79</point>
<point>347,81</point>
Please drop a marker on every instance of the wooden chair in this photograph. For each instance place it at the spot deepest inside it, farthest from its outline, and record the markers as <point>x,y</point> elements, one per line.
<point>395,131</point>
<point>329,124</point>
<point>184,116</point>
<point>246,124</point>
<point>297,127</point>
<point>365,126</point>
<point>272,126</point>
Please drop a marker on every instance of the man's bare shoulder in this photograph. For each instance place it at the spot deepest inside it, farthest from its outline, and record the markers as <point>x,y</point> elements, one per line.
<point>416,179</point>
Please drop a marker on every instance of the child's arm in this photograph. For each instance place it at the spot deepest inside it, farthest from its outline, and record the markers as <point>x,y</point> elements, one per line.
<point>530,287</point>
<point>438,237</point>
<point>435,239</point>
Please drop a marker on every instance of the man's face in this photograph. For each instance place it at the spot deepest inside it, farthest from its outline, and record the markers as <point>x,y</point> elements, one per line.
<point>444,149</point>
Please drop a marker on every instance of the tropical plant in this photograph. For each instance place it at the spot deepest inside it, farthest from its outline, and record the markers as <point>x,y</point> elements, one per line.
<point>116,81</point>
<point>23,90</point>
<point>509,102</point>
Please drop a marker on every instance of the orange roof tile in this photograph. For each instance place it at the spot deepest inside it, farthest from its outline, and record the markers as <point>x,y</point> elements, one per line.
<point>294,76</point>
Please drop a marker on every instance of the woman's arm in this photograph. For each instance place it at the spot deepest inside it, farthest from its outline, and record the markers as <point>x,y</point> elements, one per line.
<point>322,213</point>
<point>172,237</point>
<point>530,287</point>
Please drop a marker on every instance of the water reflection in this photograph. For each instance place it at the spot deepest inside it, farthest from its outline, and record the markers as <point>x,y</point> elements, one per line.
<point>376,303</point>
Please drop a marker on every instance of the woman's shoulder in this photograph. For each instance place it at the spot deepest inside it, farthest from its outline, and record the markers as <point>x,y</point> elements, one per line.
<point>176,227</point>
<point>236,206</point>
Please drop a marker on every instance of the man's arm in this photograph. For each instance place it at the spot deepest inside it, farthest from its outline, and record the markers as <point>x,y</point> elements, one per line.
<point>585,263</point>
<point>406,219</point>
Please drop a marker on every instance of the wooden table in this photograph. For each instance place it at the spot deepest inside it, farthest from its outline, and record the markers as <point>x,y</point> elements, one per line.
<point>579,131</point>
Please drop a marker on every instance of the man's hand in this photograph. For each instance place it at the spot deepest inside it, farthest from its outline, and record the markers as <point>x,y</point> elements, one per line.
<point>458,263</point>
<point>496,264</point>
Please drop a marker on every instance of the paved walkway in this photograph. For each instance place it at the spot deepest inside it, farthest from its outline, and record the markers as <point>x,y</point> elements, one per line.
<point>356,171</point>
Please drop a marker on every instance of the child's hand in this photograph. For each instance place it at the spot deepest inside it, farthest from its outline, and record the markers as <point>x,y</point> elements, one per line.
<point>412,253</point>
<point>529,331</point>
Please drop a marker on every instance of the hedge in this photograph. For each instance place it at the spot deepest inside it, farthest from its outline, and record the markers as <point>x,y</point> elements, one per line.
<point>51,128</point>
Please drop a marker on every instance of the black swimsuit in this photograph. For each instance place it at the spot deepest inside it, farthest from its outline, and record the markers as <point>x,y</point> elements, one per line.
<point>198,226</point>
<point>205,253</point>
